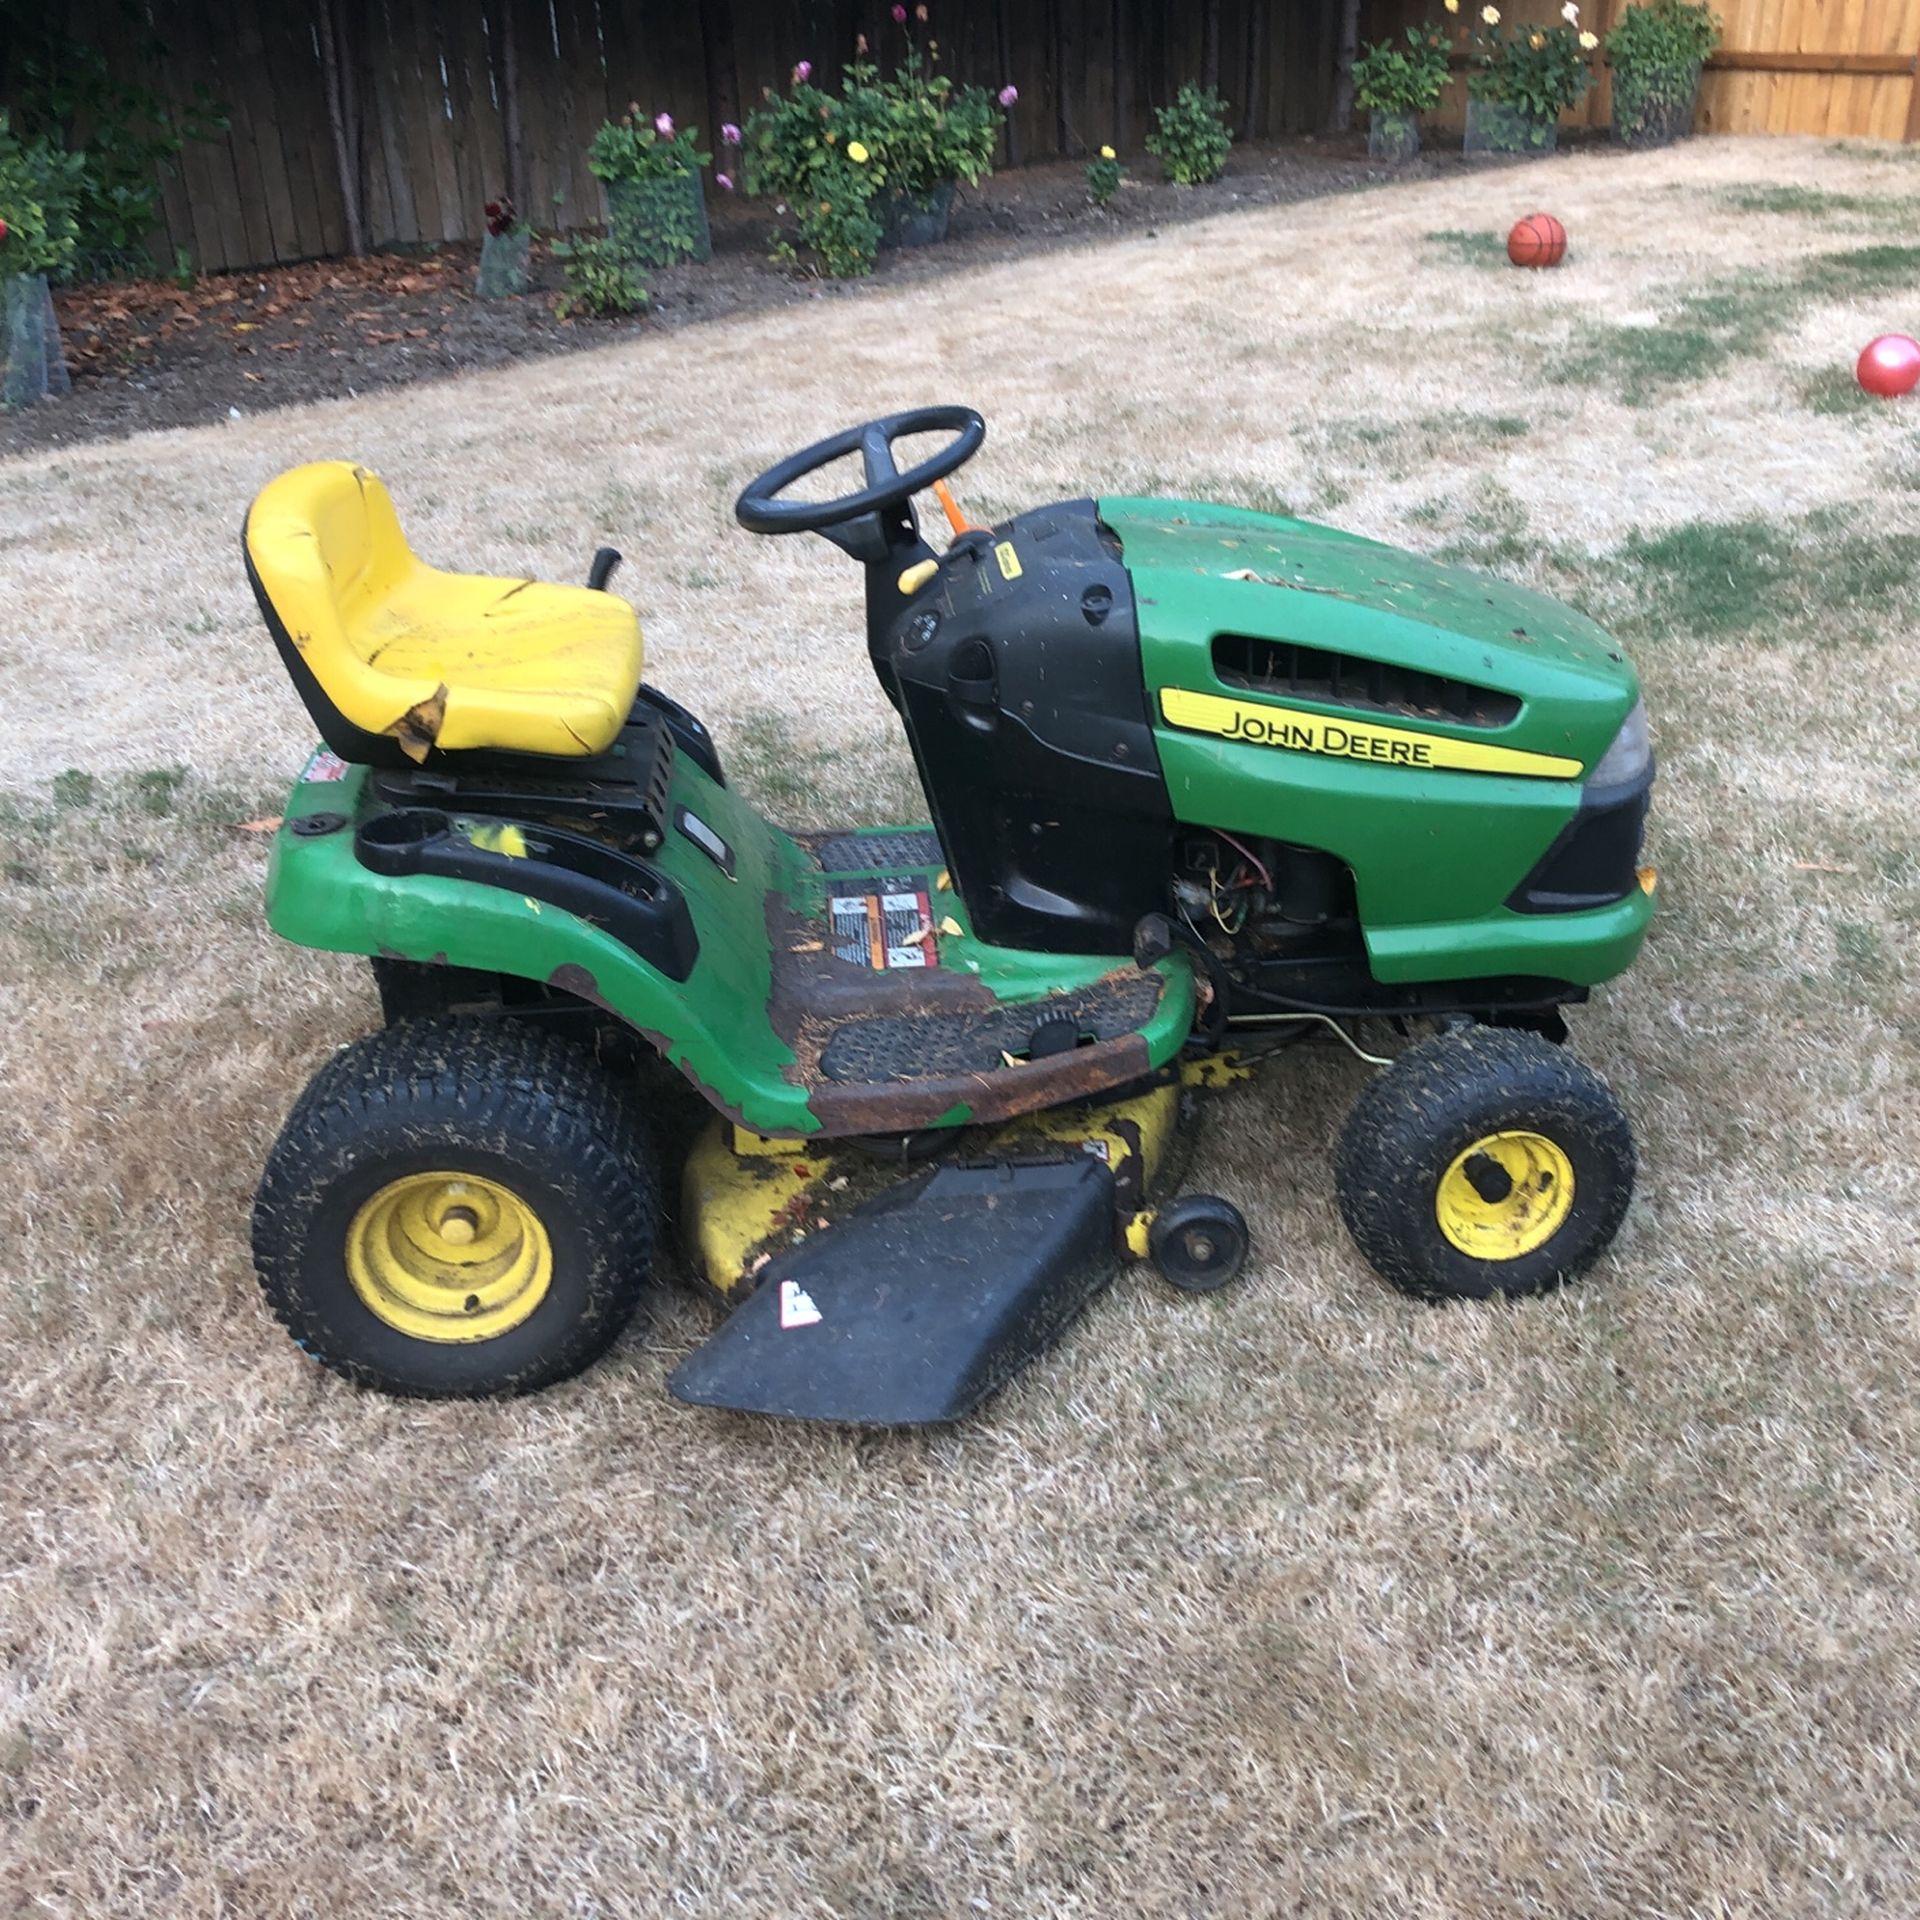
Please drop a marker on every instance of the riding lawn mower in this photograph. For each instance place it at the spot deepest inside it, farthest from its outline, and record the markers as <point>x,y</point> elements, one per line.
<point>1198,781</point>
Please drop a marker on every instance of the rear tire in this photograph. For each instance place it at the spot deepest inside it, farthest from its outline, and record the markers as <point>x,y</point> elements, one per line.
<point>1484,1161</point>
<point>456,1209</point>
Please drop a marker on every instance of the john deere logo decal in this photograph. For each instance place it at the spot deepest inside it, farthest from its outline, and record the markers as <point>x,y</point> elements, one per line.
<point>1266,726</point>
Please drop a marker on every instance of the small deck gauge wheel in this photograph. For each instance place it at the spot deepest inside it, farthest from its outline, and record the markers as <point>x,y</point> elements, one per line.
<point>1199,1243</point>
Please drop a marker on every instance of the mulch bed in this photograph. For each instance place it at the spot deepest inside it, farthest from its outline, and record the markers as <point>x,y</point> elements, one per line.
<point>149,354</point>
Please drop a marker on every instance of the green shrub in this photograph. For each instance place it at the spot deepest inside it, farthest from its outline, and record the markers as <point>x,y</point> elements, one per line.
<point>1535,69</point>
<point>636,148</point>
<point>1190,137</point>
<point>1656,51</point>
<point>601,280</point>
<point>39,191</point>
<point>60,85</point>
<point>1387,80</point>
<point>1103,177</point>
<point>827,156</point>
<point>1664,40</point>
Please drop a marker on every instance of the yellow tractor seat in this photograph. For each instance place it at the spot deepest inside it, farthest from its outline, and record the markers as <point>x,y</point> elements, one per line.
<point>399,662</point>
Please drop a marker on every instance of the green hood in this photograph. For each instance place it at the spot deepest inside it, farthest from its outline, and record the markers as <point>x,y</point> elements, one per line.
<point>1201,570</point>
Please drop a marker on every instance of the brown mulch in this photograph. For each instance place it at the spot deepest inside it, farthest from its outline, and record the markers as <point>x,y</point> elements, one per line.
<point>149,354</point>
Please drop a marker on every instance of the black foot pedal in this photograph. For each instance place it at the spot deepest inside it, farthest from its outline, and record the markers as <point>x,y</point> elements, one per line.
<point>919,1305</point>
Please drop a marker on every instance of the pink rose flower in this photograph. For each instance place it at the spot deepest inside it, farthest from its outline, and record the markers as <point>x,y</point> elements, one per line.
<point>730,134</point>
<point>802,73</point>
<point>899,16</point>
<point>724,181</point>
<point>1008,95</point>
<point>663,125</point>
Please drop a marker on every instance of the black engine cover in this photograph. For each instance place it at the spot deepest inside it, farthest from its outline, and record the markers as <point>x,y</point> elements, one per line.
<point>1018,675</point>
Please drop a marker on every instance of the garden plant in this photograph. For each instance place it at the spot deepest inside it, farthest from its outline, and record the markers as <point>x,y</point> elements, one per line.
<point>1522,78</point>
<point>1397,85</point>
<point>39,191</point>
<point>503,252</point>
<point>601,278</point>
<point>1190,137</point>
<point>877,163</point>
<point>656,211</point>
<point>112,121</point>
<point>1103,177</point>
<point>1656,52</point>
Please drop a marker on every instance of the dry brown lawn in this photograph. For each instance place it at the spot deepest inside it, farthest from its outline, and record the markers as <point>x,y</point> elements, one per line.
<point>1299,1599</point>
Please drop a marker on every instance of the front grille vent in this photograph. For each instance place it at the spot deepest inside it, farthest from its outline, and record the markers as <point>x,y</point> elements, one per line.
<point>1277,667</point>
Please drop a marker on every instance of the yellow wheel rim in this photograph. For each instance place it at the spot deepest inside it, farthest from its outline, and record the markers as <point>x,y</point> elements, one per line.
<point>1505,1196</point>
<point>449,1257</point>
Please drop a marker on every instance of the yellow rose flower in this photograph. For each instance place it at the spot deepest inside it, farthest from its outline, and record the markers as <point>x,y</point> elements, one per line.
<point>1491,15</point>
<point>1536,41</point>
<point>1589,41</point>
<point>1106,153</point>
<point>857,152</point>
<point>1452,6</point>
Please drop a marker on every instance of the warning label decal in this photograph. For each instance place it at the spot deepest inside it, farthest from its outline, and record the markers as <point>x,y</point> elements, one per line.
<point>890,927</point>
<point>325,765</point>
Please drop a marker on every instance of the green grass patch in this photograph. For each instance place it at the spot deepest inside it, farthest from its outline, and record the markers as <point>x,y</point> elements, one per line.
<point>1815,203</point>
<point>1734,318</point>
<point>1496,531</point>
<point>1466,248</point>
<point>1865,150</point>
<point>1712,577</point>
<point>1222,489</point>
<point>1816,579</point>
<point>1371,449</point>
<point>1860,271</point>
<point>1834,390</point>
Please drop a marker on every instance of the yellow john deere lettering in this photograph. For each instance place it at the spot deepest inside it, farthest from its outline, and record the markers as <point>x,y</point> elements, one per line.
<point>1009,560</point>
<point>1349,739</point>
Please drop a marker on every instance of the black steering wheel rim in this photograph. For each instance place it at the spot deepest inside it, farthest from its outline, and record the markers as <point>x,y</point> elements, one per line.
<point>760,509</point>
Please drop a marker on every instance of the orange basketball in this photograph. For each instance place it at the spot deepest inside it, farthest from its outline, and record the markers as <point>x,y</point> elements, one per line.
<point>1537,241</point>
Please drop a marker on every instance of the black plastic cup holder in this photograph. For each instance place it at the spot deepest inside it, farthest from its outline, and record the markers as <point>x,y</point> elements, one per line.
<point>391,842</point>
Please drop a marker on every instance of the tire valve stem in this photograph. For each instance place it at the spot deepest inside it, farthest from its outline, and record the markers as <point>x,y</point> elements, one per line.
<point>1488,1178</point>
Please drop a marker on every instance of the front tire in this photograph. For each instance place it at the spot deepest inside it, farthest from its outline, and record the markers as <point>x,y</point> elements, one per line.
<point>1484,1161</point>
<point>456,1209</point>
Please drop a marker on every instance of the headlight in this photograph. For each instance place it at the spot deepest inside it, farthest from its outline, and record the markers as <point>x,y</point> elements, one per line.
<point>1627,758</point>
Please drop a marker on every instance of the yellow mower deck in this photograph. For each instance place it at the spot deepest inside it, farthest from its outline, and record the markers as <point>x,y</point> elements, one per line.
<point>745,1198</point>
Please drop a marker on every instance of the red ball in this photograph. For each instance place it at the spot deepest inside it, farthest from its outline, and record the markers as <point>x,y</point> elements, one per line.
<point>1890,366</point>
<point>1537,241</point>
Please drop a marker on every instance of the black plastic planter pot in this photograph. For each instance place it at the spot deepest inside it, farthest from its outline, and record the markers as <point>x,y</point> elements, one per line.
<point>914,219</point>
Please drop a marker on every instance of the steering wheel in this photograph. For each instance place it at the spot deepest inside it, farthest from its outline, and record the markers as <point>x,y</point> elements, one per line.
<point>761,510</point>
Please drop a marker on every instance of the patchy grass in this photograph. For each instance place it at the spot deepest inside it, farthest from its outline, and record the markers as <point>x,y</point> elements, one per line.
<point>1834,390</point>
<point>1817,203</point>
<point>1738,317</point>
<point>1470,246</point>
<point>1494,531</point>
<point>1296,1599</point>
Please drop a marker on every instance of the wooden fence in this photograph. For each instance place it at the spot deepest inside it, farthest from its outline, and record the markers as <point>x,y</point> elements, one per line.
<point>430,83</point>
<point>1840,68</point>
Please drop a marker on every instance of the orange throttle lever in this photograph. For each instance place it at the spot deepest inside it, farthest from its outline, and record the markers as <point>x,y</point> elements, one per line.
<point>957,520</point>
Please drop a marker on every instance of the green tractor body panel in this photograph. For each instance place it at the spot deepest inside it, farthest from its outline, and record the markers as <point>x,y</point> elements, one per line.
<point>714,1025</point>
<point>1437,815</point>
